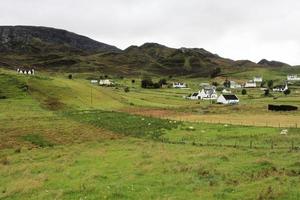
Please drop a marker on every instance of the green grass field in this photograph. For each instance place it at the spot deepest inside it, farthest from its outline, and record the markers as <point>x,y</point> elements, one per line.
<point>68,139</point>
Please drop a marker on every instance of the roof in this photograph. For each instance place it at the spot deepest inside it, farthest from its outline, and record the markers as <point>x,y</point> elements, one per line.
<point>195,94</point>
<point>230,97</point>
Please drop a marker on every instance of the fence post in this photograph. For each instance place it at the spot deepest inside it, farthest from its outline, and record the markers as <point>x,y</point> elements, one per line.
<point>272,145</point>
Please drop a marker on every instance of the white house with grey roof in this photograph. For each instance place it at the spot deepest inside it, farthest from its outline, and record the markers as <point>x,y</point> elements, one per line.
<point>228,99</point>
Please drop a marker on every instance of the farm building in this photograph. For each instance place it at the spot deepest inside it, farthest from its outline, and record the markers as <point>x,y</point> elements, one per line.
<point>280,88</point>
<point>225,91</point>
<point>179,85</point>
<point>194,96</point>
<point>94,81</point>
<point>208,93</point>
<point>105,82</point>
<point>250,84</point>
<point>293,77</point>
<point>228,99</point>
<point>234,85</point>
<point>257,79</point>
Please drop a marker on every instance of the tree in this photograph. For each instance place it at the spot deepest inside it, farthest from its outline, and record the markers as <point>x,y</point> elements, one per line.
<point>132,81</point>
<point>226,83</point>
<point>70,76</point>
<point>156,85</point>
<point>162,82</point>
<point>263,83</point>
<point>267,92</point>
<point>287,92</point>
<point>147,83</point>
<point>244,92</point>
<point>270,83</point>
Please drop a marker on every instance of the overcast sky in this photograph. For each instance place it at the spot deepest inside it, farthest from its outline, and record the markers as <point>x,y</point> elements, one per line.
<point>237,29</point>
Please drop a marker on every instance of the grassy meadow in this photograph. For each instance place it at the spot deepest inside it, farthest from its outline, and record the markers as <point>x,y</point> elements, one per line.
<point>69,139</point>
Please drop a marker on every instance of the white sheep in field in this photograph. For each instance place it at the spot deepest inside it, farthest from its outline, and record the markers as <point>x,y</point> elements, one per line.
<point>284,132</point>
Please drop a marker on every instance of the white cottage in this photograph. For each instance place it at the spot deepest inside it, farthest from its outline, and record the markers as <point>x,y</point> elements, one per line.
<point>94,81</point>
<point>293,77</point>
<point>194,96</point>
<point>250,84</point>
<point>281,88</point>
<point>208,93</point>
<point>228,99</point>
<point>105,82</point>
<point>257,79</point>
<point>234,85</point>
<point>179,85</point>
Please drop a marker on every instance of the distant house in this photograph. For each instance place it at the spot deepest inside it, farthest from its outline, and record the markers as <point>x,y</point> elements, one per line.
<point>105,82</point>
<point>194,96</point>
<point>250,84</point>
<point>228,99</point>
<point>25,71</point>
<point>280,88</point>
<point>293,77</point>
<point>234,85</point>
<point>208,93</point>
<point>94,81</point>
<point>179,85</point>
<point>225,91</point>
<point>257,79</point>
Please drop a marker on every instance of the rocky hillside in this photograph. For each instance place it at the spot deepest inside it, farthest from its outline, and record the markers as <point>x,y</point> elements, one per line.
<point>60,50</point>
<point>29,39</point>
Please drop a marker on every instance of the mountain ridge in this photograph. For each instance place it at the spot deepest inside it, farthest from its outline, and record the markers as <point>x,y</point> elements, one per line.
<point>57,49</point>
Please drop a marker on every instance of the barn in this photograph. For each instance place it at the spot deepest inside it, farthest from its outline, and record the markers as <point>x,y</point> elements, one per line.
<point>228,99</point>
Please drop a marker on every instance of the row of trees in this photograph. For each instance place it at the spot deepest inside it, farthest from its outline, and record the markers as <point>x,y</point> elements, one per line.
<point>148,83</point>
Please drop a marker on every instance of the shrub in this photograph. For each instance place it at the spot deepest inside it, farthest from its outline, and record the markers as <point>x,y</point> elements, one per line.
<point>162,82</point>
<point>126,89</point>
<point>270,83</point>
<point>132,81</point>
<point>287,92</point>
<point>226,83</point>
<point>244,92</point>
<point>267,93</point>
<point>70,76</point>
<point>156,85</point>
<point>146,83</point>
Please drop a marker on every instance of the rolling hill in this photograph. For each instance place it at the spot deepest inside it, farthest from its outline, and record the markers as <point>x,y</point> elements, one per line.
<point>60,50</point>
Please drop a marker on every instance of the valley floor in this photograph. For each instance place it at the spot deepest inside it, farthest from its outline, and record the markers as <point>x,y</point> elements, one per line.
<point>67,139</point>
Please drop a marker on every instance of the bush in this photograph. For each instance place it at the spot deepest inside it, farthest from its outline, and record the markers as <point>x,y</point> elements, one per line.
<point>126,89</point>
<point>244,92</point>
<point>270,83</point>
<point>226,83</point>
<point>70,76</point>
<point>146,83</point>
<point>287,92</point>
<point>132,81</point>
<point>162,82</point>
<point>156,85</point>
